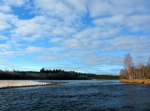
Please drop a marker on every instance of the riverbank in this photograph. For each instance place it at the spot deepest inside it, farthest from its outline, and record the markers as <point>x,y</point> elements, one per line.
<point>24,83</point>
<point>138,81</point>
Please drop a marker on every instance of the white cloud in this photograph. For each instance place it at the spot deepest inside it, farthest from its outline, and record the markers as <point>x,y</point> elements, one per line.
<point>72,43</point>
<point>4,25</point>
<point>33,49</point>
<point>55,58</point>
<point>138,23</point>
<point>96,33</point>
<point>16,3</point>
<point>7,53</point>
<point>61,10</point>
<point>4,47</point>
<point>130,43</point>
<point>7,21</point>
<point>98,59</point>
<point>87,40</point>
<point>40,27</point>
<point>136,6</point>
<point>29,27</point>
<point>2,38</point>
<point>52,7</point>
<point>56,40</point>
<point>6,5</point>
<point>78,6</point>
<point>5,8</point>
<point>138,19</point>
<point>100,8</point>
<point>63,30</point>
<point>113,20</point>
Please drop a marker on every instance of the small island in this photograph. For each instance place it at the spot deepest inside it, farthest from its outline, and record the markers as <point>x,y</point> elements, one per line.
<point>135,73</point>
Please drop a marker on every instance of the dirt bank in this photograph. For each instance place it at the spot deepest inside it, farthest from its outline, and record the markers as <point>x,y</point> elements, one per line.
<point>139,81</point>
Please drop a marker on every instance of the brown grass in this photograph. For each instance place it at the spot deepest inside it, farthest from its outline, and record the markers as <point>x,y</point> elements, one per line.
<point>139,81</point>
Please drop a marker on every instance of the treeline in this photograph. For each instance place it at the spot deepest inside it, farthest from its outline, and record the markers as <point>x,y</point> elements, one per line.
<point>131,71</point>
<point>43,74</point>
<point>105,77</point>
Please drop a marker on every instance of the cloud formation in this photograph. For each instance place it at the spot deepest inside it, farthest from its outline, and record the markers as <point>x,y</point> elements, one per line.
<point>81,35</point>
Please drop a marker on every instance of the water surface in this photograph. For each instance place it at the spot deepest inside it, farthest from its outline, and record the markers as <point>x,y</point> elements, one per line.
<point>78,95</point>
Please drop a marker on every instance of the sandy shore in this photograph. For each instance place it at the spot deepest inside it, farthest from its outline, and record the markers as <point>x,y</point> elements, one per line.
<point>139,81</point>
<point>23,83</point>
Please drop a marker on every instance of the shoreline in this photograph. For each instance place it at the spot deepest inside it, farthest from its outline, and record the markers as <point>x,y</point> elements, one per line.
<point>136,81</point>
<point>6,84</point>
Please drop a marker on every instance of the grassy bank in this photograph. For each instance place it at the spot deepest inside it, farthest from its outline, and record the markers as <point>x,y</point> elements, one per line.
<point>139,81</point>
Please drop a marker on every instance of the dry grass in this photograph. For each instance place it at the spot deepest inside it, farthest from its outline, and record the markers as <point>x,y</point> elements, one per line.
<point>140,81</point>
<point>21,83</point>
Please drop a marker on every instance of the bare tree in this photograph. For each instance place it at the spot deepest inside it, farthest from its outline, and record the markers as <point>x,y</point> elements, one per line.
<point>123,74</point>
<point>148,69</point>
<point>148,63</point>
<point>128,64</point>
<point>140,71</point>
<point>128,61</point>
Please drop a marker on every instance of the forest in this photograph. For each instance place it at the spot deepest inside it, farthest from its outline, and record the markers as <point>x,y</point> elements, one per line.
<point>105,77</point>
<point>131,71</point>
<point>45,74</point>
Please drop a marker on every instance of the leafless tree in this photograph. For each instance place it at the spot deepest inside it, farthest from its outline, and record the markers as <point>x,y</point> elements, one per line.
<point>128,64</point>
<point>128,61</point>
<point>148,63</point>
<point>140,71</point>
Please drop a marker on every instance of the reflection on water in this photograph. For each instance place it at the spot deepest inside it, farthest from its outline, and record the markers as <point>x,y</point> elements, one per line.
<point>130,97</point>
<point>87,95</point>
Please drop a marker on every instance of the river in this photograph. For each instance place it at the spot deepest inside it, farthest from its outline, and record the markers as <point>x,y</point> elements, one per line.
<point>78,95</point>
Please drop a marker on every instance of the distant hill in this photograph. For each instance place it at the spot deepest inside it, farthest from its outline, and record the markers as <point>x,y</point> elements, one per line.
<point>91,74</point>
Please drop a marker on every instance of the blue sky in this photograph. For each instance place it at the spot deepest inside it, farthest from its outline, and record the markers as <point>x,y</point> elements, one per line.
<point>90,36</point>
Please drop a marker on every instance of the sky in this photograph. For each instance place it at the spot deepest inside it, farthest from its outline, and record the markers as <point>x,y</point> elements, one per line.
<point>89,36</point>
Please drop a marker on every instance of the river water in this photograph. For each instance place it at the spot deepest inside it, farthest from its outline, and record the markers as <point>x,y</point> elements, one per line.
<point>78,95</point>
